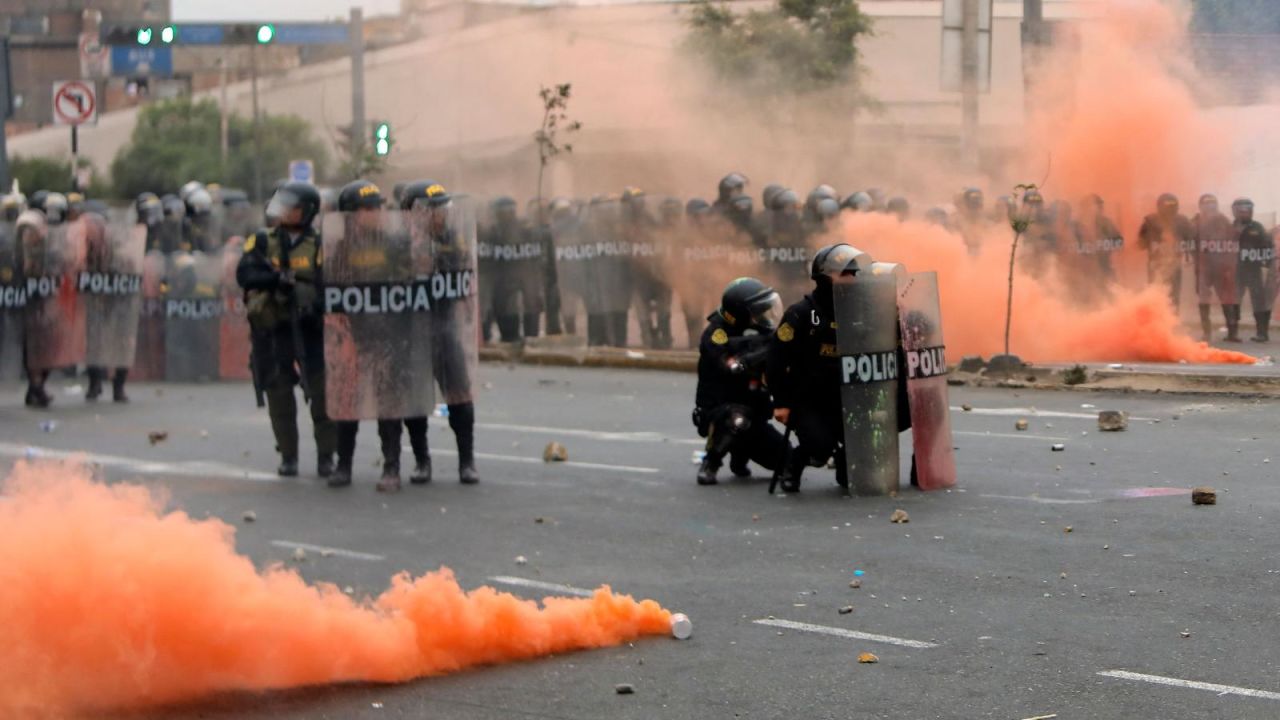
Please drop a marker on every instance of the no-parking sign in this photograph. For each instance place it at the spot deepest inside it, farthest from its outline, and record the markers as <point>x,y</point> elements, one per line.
<point>74,103</point>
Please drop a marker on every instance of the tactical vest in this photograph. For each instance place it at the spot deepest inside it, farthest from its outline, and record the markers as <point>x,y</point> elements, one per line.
<point>268,309</point>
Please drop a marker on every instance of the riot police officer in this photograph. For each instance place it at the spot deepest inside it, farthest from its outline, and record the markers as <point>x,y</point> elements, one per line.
<point>518,279</point>
<point>732,406</point>
<point>452,329</point>
<point>198,230</point>
<point>47,210</point>
<point>1168,237</point>
<point>281,275</point>
<point>150,214</point>
<point>1257,271</point>
<point>1217,261</point>
<point>652,292</point>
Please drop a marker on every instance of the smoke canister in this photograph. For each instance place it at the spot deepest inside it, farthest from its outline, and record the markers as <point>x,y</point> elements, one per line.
<point>681,626</point>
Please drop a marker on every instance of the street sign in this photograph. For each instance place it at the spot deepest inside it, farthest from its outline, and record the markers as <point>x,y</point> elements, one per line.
<point>156,61</point>
<point>302,171</point>
<point>311,34</point>
<point>74,103</point>
<point>93,56</point>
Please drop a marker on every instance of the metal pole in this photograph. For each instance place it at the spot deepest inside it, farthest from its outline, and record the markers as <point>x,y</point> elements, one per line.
<point>223,111</point>
<point>1032,37</point>
<point>355,35</point>
<point>969,82</point>
<point>75,156</point>
<point>257,125</point>
<point>6,110</point>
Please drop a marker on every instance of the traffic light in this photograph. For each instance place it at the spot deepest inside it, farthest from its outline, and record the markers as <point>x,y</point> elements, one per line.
<point>143,36</point>
<point>265,34</point>
<point>138,35</point>
<point>382,138</point>
<point>168,34</point>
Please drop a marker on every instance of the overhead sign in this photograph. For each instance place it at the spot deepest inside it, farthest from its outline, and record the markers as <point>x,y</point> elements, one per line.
<point>156,61</point>
<point>311,34</point>
<point>302,171</point>
<point>74,103</point>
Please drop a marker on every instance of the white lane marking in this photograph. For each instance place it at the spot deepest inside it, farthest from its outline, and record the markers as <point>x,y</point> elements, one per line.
<point>1191,684</point>
<point>1043,500</point>
<point>198,468</point>
<point>540,461</point>
<point>540,585</point>
<point>841,632</point>
<point>1033,412</point>
<point>1008,436</point>
<point>325,550</point>
<point>643,436</point>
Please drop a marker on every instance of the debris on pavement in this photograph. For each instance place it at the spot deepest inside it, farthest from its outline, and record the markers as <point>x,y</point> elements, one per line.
<point>681,626</point>
<point>845,610</point>
<point>249,516</point>
<point>299,555</point>
<point>1058,447</point>
<point>867,658</point>
<point>899,517</point>
<point>624,689</point>
<point>855,584</point>
<point>966,407</point>
<point>1068,529</point>
<point>48,425</point>
<point>555,452</point>
<point>1021,425</point>
<point>539,520</point>
<point>1185,634</point>
<point>156,437</point>
<point>1204,496</point>
<point>522,560</point>
<point>1112,420</point>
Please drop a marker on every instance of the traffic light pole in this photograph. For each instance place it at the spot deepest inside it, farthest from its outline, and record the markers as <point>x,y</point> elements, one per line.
<point>355,30</point>
<point>257,125</point>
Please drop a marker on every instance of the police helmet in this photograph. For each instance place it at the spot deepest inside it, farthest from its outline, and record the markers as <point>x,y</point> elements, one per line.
<point>1033,197</point>
<point>75,205</point>
<point>1167,202</point>
<point>1209,201</point>
<point>732,184</point>
<point>936,216</point>
<point>1242,208</point>
<point>839,259</point>
<point>742,205</point>
<point>770,192</point>
<point>37,200</point>
<point>748,303</point>
<point>696,207</point>
<point>784,200</point>
<point>172,206</point>
<point>898,206</point>
<point>188,188</point>
<point>11,206</point>
<point>294,194</point>
<point>359,195</point>
<point>859,201</point>
<point>827,208</point>
<point>199,202</point>
<point>55,207</point>
<point>972,199</point>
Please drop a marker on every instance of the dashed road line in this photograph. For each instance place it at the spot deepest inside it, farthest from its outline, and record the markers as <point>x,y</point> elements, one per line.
<point>540,585</point>
<point>843,633</point>
<point>1191,684</point>
<point>143,467</point>
<point>325,550</point>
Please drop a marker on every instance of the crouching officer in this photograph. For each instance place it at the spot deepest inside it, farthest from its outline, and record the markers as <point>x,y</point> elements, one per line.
<point>732,406</point>
<point>280,274</point>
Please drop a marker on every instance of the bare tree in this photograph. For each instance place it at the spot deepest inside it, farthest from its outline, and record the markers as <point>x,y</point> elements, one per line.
<point>555,119</point>
<point>1019,220</point>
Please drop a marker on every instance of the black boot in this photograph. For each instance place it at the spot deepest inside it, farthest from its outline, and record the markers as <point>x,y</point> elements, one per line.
<point>707,471</point>
<point>36,396</point>
<point>390,481</point>
<point>288,467</point>
<point>1206,324</point>
<point>739,466</point>
<point>95,375</point>
<point>1233,324</point>
<point>462,420</point>
<point>324,465</point>
<point>117,385</point>
<point>421,471</point>
<point>1263,320</point>
<point>341,476</point>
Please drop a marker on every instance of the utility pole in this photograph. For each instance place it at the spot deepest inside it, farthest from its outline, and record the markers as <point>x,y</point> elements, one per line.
<point>223,110</point>
<point>257,125</point>
<point>1033,37</point>
<point>969,83</point>
<point>6,110</point>
<point>355,35</point>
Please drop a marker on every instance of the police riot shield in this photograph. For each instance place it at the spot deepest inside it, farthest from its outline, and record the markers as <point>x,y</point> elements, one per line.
<point>148,361</point>
<point>571,264</point>
<point>378,295</point>
<point>924,356</point>
<point>233,328</point>
<point>13,301</point>
<point>55,317</point>
<point>192,315</point>
<point>867,342</point>
<point>451,234</point>
<point>607,294</point>
<point>111,284</point>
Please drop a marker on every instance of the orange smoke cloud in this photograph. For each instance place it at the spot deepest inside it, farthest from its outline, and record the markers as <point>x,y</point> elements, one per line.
<point>1134,326</point>
<point>110,602</point>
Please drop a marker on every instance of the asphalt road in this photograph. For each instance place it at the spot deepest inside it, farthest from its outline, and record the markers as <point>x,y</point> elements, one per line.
<point>983,606</point>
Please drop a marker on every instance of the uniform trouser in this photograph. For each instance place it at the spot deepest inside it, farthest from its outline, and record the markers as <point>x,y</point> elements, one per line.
<point>752,438</point>
<point>453,376</point>
<point>1252,282</point>
<point>653,311</point>
<point>519,301</point>
<point>282,405</point>
<point>1217,277</point>
<point>389,437</point>
<point>820,435</point>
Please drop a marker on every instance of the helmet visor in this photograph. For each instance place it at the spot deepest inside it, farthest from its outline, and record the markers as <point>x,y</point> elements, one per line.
<point>841,259</point>
<point>766,311</point>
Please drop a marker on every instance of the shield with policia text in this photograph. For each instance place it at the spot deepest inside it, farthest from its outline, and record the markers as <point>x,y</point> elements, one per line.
<point>148,361</point>
<point>111,285</point>
<point>54,255</point>
<point>924,353</point>
<point>13,301</point>
<point>450,232</point>
<point>233,331</point>
<point>378,300</point>
<point>867,342</point>
<point>192,316</point>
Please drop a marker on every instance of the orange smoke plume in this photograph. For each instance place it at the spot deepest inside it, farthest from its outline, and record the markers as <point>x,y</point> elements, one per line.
<point>1134,326</point>
<point>111,602</point>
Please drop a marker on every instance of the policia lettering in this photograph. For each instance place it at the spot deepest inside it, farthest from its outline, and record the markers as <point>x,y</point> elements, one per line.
<point>869,367</point>
<point>926,363</point>
<point>416,296</point>
<point>105,283</point>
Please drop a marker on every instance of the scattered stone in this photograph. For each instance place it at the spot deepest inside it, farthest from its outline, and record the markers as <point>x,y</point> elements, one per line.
<point>299,555</point>
<point>899,517</point>
<point>1067,529</point>
<point>249,516</point>
<point>1133,593</point>
<point>1185,634</point>
<point>867,658</point>
<point>348,590</point>
<point>204,434</point>
<point>522,560</point>
<point>755,518</point>
<point>1204,496</point>
<point>326,553</point>
<point>539,520</point>
<point>845,610</point>
<point>855,584</point>
<point>555,452</point>
<point>1021,425</point>
<point>155,437</point>
<point>1058,447</point>
<point>966,407</point>
<point>625,689</point>
<point>1112,420</point>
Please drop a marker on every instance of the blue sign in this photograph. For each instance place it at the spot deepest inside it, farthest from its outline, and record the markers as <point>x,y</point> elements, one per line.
<point>156,61</point>
<point>200,34</point>
<point>311,34</point>
<point>302,171</point>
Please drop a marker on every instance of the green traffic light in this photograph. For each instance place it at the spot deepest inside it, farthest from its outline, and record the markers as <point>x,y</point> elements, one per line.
<point>266,33</point>
<point>144,36</point>
<point>382,147</point>
<point>168,34</point>
<point>382,131</point>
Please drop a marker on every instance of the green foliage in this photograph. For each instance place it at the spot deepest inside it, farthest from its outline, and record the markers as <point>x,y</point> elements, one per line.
<point>796,46</point>
<point>178,140</point>
<point>52,174</point>
<point>1075,375</point>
